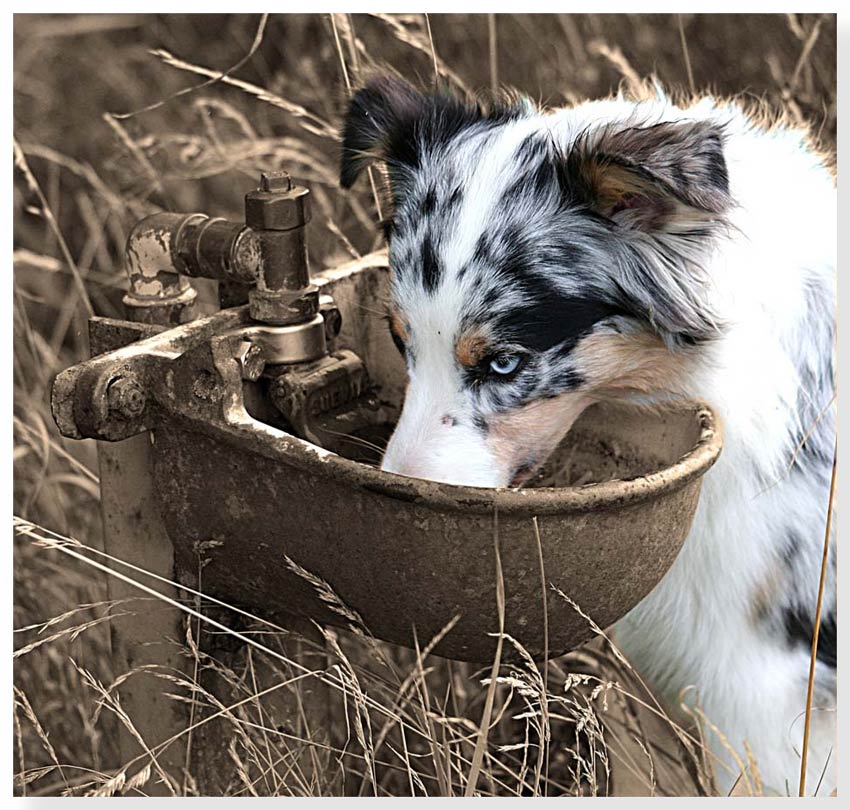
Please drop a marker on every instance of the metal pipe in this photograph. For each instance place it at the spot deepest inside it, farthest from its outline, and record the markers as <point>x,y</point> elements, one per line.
<point>158,293</point>
<point>163,249</point>
<point>268,254</point>
<point>218,249</point>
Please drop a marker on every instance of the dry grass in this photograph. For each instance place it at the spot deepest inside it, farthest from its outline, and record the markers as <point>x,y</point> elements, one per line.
<point>212,100</point>
<point>401,721</point>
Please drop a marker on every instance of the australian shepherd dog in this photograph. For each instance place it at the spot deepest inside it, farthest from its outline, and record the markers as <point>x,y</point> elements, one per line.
<point>639,250</point>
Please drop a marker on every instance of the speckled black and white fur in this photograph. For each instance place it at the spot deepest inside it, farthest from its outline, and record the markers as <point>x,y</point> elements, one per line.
<point>544,260</point>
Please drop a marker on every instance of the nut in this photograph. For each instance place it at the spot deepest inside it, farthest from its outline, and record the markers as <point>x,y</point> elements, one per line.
<point>333,317</point>
<point>284,306</point>
<point>251,361</point>
<point>206,386</point>
<point>125,397</point>
<point>279,210</point>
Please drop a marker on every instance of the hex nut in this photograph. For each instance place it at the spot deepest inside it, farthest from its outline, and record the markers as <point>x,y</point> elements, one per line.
<point>126,398</point>
<point>251,360</point>
<point>277,210</point>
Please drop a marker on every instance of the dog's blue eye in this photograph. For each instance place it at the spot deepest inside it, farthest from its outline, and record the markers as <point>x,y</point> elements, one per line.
<point>505,364</point>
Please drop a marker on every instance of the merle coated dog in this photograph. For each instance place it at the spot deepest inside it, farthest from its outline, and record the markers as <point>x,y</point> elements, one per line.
<point>543,260</point>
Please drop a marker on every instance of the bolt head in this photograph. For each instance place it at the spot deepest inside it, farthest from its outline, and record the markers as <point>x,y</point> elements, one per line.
<point>126,398</point>
<point>280,210</point>
<point>251,361</point>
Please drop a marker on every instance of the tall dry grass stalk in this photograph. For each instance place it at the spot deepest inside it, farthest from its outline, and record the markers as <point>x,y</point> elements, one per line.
<point>804,760</point>
<point>494,53</point>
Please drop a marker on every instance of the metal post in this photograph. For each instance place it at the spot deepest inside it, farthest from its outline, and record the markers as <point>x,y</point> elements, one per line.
<point>150,636</point>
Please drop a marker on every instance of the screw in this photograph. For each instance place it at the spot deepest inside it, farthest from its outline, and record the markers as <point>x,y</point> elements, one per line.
<point>125,397</point>
<point>275,181</point>
<point>251,361</point>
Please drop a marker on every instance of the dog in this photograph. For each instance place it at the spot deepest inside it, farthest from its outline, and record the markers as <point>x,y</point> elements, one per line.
<point>635,250</point>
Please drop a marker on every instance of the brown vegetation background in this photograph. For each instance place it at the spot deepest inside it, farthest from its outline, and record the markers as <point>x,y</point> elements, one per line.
<point>85,173</point>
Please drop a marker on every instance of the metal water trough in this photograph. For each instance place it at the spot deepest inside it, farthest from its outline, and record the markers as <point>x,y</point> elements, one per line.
<point>407,556</point>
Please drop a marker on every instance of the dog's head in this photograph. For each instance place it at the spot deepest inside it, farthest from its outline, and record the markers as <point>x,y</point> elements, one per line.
<point>535,269</point>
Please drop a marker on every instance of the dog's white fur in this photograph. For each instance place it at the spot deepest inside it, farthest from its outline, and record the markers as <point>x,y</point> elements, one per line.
<point>696,628</point>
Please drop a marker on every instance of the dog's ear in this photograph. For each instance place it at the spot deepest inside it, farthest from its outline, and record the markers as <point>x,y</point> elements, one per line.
<point>665,190</point>
<point>662,178</point>
<point>390,120</point>
<point>374,113</point>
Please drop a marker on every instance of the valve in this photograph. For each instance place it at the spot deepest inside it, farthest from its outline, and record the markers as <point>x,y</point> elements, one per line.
<point>278,213</point>
<point>282,341</point>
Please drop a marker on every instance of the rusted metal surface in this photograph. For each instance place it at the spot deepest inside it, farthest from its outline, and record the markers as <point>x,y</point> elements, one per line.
<point>158,293</point>
<point>80,399</point>
<point>163,249</point>
<point>140,379</point>
<point>328,400</point>
<point>118,395</point>
<point>405,554</point>
<point>207,247</point>
<point>278,213</point>
<point>267,254</point>
<point>416,556</point>
<point>283,307</point>
<point>126,398</point>
<point>134,532</point>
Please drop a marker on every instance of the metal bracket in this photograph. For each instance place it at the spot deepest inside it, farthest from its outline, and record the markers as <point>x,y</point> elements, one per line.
<point>197,371</point>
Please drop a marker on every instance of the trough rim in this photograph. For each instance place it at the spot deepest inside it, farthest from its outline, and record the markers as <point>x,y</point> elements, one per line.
<point>598,497</point>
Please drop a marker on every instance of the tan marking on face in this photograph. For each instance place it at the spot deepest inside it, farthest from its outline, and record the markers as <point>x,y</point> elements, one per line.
<point>531,433</point>
<point>471,348</point>
<point>398,326</point>
<point>614,364</point>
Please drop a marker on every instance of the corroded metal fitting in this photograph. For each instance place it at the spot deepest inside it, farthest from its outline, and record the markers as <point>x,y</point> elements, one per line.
<point>158,293</point>
<point>284,307</point>
<point>277,212</point>
<point>277,205</point>
<point>251,360</point>
<point>165,310</point>
<point>126,398</point>
<point>207,247</point>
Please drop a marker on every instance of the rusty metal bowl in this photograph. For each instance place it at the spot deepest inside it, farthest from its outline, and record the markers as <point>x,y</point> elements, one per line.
<point>409,556</point>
